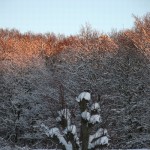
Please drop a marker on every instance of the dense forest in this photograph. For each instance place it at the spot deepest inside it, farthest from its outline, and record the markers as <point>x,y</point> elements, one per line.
<point>115,67</point>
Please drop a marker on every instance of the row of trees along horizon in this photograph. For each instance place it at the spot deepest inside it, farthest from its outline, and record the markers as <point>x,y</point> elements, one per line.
<point>114,66</point>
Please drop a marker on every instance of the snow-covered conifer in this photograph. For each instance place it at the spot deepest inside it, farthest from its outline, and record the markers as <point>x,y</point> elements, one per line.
<point>68,138</point>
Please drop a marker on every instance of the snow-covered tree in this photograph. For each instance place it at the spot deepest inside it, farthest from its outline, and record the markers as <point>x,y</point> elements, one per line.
<point>67,136</point>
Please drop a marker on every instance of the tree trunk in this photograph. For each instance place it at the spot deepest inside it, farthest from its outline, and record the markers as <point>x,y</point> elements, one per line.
<point>84,135</point>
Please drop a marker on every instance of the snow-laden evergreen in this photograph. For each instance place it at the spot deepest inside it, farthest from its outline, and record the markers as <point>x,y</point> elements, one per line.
<point>54,132</point>
<point>68,137</point>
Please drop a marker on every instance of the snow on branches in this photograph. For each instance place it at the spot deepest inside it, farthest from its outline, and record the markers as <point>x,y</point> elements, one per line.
<point>98,142</point>
<point>69,138</point>
<point>72,131</point>
<point>55,133</point>
<point>95,107</point>
<point>64,117</point>
<point>95,119</point>
<point>84,95</point>
<point>86,115</point>
<point>101,137</point>
<point>89,117</point>
<point>92,119</point>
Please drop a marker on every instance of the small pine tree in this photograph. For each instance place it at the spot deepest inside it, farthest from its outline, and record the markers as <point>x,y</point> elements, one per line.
<point>68,138</point>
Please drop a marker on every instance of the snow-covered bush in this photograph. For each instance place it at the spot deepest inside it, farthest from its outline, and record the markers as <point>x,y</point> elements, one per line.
<point>68,137</point>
